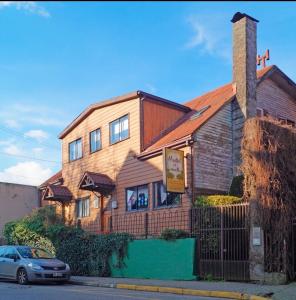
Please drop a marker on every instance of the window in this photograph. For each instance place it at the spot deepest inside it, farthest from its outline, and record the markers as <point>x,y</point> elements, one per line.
<point>119,129</point>
<point>82,208</point>
<point>96,201</point>
<point>2,251</point>
<point>95,140</point>
<point>75,150</point>
<point>137,198</point>
<point>162,198</point>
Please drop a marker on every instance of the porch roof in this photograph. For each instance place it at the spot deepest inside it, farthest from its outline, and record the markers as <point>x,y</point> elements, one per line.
<point>57,193</point>
<point>96,182</point>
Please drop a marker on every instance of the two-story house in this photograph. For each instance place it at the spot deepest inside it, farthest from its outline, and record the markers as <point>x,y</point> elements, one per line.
<point>112,162</point>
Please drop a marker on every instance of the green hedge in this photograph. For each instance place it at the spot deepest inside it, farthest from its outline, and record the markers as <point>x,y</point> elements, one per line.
<point>214,200</point>
<point>87,254</point>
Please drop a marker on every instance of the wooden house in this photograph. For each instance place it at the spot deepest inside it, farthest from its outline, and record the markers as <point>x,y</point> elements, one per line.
<point>112,153</point>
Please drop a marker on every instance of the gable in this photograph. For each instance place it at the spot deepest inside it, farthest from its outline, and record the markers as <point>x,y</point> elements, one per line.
<point>276,100</point>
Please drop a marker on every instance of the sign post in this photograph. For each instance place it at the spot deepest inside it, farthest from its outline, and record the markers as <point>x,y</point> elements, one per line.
<point>173,170</point>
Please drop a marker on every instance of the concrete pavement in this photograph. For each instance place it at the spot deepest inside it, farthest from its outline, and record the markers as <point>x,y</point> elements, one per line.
<point>239,290</point>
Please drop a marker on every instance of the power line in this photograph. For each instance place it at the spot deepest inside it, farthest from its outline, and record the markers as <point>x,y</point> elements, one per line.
<point>20,134</point>
<point>29,157</point>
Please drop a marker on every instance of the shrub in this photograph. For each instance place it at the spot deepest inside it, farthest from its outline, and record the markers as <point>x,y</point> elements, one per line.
<point>173,234</point>
<point>215,200</point>
<point>87,254</point>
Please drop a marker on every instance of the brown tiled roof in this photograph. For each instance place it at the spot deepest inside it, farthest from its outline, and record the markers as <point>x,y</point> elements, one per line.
<point>54,178</point>
<point>214,100</point>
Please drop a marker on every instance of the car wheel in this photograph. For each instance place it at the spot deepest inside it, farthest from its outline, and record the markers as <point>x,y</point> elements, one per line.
<point>22,276</point>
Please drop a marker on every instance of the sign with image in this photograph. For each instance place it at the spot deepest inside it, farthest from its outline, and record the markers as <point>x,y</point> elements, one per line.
<point>173,170</point>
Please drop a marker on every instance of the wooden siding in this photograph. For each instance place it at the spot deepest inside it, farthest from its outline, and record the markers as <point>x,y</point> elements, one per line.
<point>157,117</point>
<point>276,101</point>
<point>118,161</point>
<point>213,153</point>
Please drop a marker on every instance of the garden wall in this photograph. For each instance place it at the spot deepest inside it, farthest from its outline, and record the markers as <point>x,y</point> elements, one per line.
<point>158,259</point>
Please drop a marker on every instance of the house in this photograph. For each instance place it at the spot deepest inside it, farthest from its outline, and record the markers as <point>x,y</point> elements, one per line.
<point>16,201</point>
<point>112,153</point>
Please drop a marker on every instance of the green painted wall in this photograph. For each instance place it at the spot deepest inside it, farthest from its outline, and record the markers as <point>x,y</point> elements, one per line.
<point>158,259</point>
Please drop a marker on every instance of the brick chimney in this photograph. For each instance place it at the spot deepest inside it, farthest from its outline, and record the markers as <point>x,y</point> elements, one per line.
<point>244,78</point>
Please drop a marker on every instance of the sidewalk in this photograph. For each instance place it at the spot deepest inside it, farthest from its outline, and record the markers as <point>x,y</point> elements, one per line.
<point>233,290</point>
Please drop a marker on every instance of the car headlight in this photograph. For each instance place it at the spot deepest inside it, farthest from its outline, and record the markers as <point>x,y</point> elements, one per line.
<point>67,267</point>
<point>34,267</point>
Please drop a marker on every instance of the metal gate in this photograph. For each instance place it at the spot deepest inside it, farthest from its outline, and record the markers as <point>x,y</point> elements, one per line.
<point>294,248</point>
<point>223,241</point>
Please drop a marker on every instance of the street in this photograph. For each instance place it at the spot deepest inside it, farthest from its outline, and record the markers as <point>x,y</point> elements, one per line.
<point>12,291</point>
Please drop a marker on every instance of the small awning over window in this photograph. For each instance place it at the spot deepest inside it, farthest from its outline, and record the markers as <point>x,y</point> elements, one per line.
<point>96,182</point>
<point>57,193</point>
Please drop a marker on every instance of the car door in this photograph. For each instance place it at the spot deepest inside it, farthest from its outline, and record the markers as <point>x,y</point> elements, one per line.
<point>2,250</point>
<point>9,264</point>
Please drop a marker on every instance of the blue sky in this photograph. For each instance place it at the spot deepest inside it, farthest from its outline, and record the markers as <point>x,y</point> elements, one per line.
<point>56,58</point>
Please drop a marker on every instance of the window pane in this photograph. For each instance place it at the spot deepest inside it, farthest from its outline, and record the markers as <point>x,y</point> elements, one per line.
<point>86,207</point>
<point>95,140</point>
<point>173,199</point>
<point>79,148</point>
<point>143,196</point>
<point>115,131</point>
<point>124,128</point>
<point>92,141</point>
<point>72,151</point>
<point>162,198</point>
<point>131,199</point>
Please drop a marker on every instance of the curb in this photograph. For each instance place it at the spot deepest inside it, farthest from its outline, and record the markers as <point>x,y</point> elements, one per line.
<point>172,290</point>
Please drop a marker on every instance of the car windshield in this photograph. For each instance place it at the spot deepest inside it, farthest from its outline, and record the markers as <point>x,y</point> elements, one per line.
<point>27,252</point>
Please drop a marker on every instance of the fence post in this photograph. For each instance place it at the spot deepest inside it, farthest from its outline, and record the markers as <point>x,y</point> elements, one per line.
<point>146,225</point>
<point>110,224</point>
<point>190,221</point>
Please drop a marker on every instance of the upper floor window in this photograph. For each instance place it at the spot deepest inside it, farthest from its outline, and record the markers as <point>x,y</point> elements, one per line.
<point>82,208</point>
<point>95,140</point>
<point>137,197</point>
<point>75,149</point>
<point>163,198</point>
<point>119,129</point>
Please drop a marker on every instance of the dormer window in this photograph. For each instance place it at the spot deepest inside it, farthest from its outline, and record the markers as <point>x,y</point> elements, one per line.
<point>75,150</point>
<point>119,130</point>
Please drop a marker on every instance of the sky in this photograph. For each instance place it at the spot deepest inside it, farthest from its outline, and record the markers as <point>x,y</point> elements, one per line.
<point>56,58</point>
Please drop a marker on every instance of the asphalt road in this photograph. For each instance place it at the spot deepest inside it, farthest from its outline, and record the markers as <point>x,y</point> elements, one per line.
<point>13,291</point>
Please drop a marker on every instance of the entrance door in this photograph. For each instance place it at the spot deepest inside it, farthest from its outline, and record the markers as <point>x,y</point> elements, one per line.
<point>105,215</point>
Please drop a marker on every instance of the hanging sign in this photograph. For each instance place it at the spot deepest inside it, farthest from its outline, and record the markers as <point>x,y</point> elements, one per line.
<point>173,170</point>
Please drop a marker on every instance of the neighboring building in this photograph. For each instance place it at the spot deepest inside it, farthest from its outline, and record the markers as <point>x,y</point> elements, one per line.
<point>112,152</point>
<point>16,201</point>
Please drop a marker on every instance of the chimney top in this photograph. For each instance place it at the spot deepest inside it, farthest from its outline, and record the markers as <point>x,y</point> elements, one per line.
<point>237,16</point>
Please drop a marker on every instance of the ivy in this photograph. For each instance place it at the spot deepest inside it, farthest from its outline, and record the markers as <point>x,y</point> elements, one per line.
<point>87,254</point>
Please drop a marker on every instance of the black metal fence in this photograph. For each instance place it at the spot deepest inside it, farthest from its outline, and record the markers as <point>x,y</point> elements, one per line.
<point>222,235</point>
<point>151,224</point>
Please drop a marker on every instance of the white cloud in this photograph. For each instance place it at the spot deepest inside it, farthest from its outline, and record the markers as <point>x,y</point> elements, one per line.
<point>10,123</point>
<point>12,150</point>
<point>211,35</point>
<point>28,172</point>
<point>38,134</point>
<point>29,6</point>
